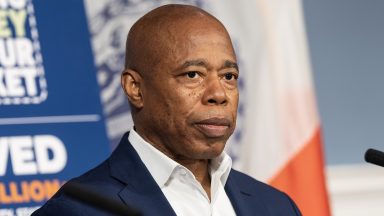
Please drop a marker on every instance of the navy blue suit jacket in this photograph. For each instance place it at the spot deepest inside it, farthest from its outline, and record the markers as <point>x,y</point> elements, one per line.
<point>124,178</point>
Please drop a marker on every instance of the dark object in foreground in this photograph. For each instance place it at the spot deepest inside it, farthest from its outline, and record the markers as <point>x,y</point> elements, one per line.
<point>374,156</point>
<point>83,194</point>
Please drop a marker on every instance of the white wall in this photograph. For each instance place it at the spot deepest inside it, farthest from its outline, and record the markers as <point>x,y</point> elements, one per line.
<point>356,190</point>
<point>346,40</point>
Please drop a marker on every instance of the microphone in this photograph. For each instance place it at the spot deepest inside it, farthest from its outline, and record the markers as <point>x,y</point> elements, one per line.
<point>374,156</point>
<point>83,194</point>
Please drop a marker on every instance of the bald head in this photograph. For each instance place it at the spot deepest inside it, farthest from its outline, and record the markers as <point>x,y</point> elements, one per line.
<point>163,30</point>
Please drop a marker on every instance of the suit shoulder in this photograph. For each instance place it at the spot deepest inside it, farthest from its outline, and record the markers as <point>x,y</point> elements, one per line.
<point>249,181</point>
<point>254,185</point>
<point>96,179</point>
<point>59,206</point>
<point>268,195</point>
<point>100,180</point>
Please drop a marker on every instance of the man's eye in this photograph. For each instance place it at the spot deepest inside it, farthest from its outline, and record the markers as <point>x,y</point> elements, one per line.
<point>230,76</point>
<point>192,74</point>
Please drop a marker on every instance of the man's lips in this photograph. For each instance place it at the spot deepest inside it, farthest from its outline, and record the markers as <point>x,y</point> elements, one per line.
<point>214,127</point>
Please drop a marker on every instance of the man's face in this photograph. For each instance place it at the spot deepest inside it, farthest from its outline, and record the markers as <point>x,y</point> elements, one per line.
<point>191,96</point>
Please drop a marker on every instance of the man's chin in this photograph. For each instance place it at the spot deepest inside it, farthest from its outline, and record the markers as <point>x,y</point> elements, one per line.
<point>207,153</point>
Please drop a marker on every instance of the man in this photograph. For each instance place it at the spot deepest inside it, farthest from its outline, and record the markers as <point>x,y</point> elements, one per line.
<point>180,78</point>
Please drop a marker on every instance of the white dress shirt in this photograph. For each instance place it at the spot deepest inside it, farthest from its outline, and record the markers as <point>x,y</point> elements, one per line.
<point>185,194</point>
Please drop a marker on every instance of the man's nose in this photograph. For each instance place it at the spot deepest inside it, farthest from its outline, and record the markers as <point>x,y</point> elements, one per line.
<point>214,93</point>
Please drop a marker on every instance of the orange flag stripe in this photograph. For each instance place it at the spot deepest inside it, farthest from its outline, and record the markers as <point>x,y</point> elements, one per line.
<point>303,179</point>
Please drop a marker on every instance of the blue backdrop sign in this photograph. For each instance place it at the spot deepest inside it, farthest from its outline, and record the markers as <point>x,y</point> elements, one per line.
<point>51,124</point>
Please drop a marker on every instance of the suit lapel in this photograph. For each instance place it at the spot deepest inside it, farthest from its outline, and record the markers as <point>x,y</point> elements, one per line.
<point>242,199</point>
<point>141,190</point>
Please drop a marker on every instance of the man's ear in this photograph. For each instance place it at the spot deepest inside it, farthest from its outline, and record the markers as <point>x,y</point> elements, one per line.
<point>131,83</point>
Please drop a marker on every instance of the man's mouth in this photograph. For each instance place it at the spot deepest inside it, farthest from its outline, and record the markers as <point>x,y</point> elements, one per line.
<point>214,127</point>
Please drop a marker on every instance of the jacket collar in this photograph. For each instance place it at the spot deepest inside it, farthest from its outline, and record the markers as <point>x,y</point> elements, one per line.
<point>141,189</point>
<point>242,197</point>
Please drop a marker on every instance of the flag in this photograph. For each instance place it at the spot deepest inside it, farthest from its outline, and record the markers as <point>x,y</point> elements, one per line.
<point>278,139</point>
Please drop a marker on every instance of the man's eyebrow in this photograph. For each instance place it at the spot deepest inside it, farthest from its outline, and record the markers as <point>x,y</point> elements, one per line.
<point>230,64</point>
<point>203,63</point>
<point>195,62</point>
